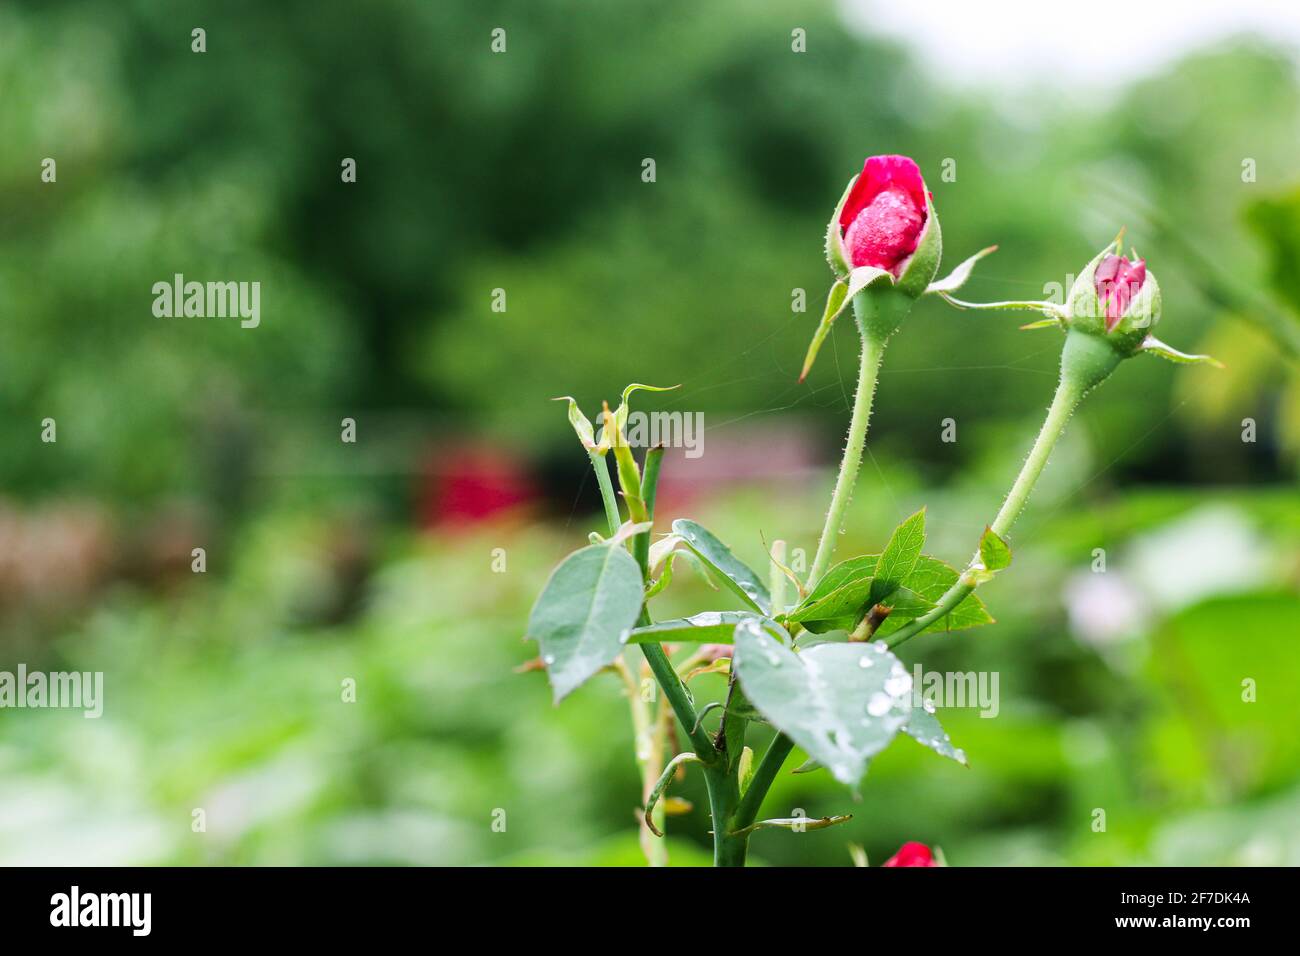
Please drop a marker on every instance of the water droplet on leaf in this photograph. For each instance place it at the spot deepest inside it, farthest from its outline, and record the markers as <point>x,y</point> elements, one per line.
<point>879,704</point>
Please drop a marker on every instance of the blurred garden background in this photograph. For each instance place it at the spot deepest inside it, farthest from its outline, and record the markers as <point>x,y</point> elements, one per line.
<point>380,561</point>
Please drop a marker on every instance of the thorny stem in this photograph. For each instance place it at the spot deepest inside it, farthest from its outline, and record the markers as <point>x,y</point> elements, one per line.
<point>731,734</point>
<point>662,668</point>
<point>723,781</point>
<point>874,339</point>
<point>721,759</point>
<point>765,773</point>
<point>666,676</point>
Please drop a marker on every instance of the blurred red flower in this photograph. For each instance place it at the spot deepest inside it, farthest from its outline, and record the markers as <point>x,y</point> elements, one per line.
<point>469,485</point>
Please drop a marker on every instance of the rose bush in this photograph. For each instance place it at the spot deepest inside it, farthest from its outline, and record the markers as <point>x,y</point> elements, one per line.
<point>812,656</point>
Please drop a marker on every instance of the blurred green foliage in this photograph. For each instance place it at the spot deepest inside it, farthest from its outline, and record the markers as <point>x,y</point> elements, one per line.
<point>225,699</point>
<point>522,172</point>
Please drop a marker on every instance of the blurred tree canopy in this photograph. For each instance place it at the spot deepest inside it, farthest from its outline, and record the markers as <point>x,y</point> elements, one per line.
<point>522,171</point>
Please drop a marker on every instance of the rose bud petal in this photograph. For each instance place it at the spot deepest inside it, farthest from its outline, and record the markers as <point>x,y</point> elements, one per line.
<point>884,214</point>
<point>912,854</point>
<point>1118,282</point>
<point>1115,298</point>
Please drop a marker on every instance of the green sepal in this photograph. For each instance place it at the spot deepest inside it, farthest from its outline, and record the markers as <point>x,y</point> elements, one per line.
<point>835,256</point>
<point>1082,310</point>
<point>835,300</point>
<point>957,278</point>
<point>1053,323</point>
<point>840,296</point>
<point>1167,352</point>
<point>920,268</point>
<point>1055,313</point>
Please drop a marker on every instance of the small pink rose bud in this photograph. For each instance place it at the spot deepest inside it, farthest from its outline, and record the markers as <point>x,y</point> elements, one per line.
<point>1116,299</point>
<point>1118,282</point>
<point>912,854</point>
<point>884,214</point>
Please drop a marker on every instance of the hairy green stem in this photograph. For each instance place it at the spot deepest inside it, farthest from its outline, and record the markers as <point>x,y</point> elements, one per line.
<point>1069,393</point>
<point>873,350</point>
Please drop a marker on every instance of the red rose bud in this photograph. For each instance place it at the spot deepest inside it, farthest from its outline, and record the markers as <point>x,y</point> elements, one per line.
<point>1118,282</point>
<point>885,212</point>
<point>884,245</point>
<point>912,854</point>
